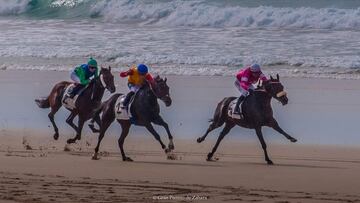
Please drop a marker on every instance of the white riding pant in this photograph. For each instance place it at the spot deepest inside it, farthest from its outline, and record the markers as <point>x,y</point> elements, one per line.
<point>74,77</point>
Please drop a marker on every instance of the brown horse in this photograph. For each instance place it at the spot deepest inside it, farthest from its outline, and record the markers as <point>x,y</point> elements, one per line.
<point>146,110</point>
<point>257,113</point>
<point>89,100</point>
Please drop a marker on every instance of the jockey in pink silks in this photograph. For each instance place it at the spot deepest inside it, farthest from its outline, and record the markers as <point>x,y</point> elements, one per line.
<point>244,80</point>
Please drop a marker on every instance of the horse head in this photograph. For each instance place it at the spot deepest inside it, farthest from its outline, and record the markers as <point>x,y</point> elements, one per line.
<point>107,79</point>
<point>276,89</point>
<point>161,90</point>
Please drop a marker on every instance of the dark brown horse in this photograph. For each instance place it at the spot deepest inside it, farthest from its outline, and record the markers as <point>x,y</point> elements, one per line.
<point>257,112</point>
<point>88,101</point>
<point>146,110</point>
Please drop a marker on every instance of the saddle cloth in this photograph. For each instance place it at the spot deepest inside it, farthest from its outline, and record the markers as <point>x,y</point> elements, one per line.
<point>121,113</point>
<point>67,101</point>
<point>231,110</point>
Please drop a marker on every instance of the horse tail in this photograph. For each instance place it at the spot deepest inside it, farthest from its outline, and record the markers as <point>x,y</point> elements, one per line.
<point>221,111</point>
<point>54,96</point>
<point>43,102</point>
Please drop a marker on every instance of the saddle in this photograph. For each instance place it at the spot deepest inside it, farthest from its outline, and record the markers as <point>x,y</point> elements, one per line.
<point>121,112</point>
<point>69,102</point>
<point>231,110</point>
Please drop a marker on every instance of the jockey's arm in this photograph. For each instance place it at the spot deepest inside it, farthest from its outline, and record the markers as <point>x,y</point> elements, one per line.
<point>126,73</point>
<point>150,79</point>
<point>81,74</point>
<point>244,83</point>
<point>84,81</point>
<point>243,80</point>
<point>263,77</point>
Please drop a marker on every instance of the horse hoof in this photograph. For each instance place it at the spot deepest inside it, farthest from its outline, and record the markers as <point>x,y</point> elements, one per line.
<point>269,162</point>
<point>212,159</point>
<point>56,136</point>
<point>127,159</point>
<point>199,140</point>
<point>293,140</point>
<point>95,157</point>
<point>70,141</point>
<point>171,156</point>
<point>93,129</point>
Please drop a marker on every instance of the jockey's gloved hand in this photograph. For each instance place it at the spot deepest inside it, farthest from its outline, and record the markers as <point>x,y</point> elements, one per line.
<point>251,91</point>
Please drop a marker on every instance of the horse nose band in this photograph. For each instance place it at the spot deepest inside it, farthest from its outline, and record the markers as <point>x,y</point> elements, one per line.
<point>280,94</point>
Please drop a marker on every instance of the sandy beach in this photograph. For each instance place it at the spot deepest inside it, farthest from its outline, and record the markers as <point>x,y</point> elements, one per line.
<point>321,167</point>
<point>35,168</point>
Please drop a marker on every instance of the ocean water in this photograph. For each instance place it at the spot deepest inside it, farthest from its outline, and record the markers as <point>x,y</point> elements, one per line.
<point>194,37</point>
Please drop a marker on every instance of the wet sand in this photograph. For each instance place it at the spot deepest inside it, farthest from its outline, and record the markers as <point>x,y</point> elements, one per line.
<point>34,168</point>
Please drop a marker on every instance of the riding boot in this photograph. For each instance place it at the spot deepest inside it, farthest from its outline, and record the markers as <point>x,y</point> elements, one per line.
<point>127,99</point>
<point>237,106</point>
<point>75,90</point>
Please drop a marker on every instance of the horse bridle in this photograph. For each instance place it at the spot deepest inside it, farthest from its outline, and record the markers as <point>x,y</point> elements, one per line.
<point>102,80</point>
<point>279,94</point>
<point>156,95</point>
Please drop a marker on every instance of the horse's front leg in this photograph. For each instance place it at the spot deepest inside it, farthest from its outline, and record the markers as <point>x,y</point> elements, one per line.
<point>160,121</point>
<point>263,145</point>
<point>78,132</point>
<point>151,129</point>
<point>274,124</point>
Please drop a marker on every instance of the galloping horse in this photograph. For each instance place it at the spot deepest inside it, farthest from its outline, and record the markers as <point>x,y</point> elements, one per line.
<point>87,102</point>
<point>146,110</point>
<point>257,112</point>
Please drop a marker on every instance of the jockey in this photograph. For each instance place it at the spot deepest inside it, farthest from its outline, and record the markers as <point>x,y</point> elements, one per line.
<point>244,80</point>
<point>137,75</point>
<point>81,75</point>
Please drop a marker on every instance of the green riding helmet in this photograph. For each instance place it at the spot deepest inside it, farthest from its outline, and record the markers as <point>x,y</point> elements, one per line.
<point>92,62</point>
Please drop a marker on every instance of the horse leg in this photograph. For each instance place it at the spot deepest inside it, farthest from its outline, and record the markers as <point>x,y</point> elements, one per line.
<point>51,115</point>
<point>210,128</point>
<point>70,119</point>
<point>274,124</point>
<point>151,129</point>
<point>107,119</point>
<point>160,121</point>
<point>263,144</point>
<point>91,124</point>
<point>125,126</point>
<point>78,132</point>
<point>225,131</point>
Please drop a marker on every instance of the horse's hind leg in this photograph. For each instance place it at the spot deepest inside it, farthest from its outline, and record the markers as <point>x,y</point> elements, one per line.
<point>78,132</point>
<point>274,124</point>
<point>125,126</point>
<point>210,128</point>
<point>51,115</point>
<point>107,119</point>
<point>263,144</point>
<point>160,121</point>
<point>225,131</point>
<point>91,124</point>
<point>70,119</point>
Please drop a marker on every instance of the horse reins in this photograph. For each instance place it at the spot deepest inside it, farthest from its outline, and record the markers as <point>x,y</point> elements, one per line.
<point>279,94</point>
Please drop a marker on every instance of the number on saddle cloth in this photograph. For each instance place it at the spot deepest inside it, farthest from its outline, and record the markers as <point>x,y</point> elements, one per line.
<point>123,113</point>
<point>231,109</point>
